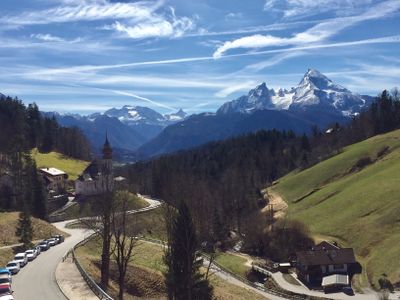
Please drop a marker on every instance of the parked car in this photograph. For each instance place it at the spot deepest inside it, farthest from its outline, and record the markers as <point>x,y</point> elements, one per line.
<point>348,290</point>
<point>44,245</point>
<point>31,254</point>
<point>5,291</point>
<point>22,258</point>
<point>5,278</point>
<point>52,242</point>
<point>59,237</point>
<point>13,267</point>
<point>5,271</point>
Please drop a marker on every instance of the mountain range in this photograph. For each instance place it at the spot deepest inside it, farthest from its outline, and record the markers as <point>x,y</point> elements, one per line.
<point>129,127</point>
<point>316,100</point>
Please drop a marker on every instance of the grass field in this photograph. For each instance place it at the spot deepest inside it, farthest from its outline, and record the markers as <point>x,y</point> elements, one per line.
<point>233,263</point>
<point>353,203</point>
<point>149,257</point>
<point>8,225</point>
<point>72,167</point>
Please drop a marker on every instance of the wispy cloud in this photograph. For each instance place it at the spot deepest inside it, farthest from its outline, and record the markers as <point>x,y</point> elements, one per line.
<point>156,103</point>
<point>315,34</point>
<point>235,88</point>
<point>47,37</point>
<point>156,26</point>
<point>302,8</point>
<point>73,11</point>
<point>91,68</point>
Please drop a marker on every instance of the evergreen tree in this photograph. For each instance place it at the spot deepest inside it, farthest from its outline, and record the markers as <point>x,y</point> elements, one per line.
<point>183,278</point>
<point>38,195</point>
<point>24,229</point>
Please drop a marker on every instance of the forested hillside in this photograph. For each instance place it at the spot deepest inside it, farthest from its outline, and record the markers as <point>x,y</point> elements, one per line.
<point>22,129</point>
<point>221,181</point>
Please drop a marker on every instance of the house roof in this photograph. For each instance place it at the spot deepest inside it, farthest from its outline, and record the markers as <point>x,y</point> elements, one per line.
<point>52,171</point>
<point>335,279</point>
<point>325,256</point>
<point>325,245</point>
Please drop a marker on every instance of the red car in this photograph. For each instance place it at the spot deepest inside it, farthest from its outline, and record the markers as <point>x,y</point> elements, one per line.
<point>5,289</point>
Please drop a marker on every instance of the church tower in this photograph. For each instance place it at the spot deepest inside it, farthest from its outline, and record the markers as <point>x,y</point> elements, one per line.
<point>107,157</point>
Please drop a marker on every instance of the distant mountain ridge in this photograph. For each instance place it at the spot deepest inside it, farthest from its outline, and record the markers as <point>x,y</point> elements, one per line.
<point>129,127</point>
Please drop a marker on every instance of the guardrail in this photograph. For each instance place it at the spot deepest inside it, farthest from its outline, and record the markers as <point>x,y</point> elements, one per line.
<point>286,295</point>
<point>89,280</point>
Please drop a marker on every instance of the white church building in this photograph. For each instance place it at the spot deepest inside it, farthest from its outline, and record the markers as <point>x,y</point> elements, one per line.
<point>97,178</point>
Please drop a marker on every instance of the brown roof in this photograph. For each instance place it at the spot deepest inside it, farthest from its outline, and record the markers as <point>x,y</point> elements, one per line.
<point>326,257</point>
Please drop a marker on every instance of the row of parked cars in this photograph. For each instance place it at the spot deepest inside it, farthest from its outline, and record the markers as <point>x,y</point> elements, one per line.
<point>20,261</point>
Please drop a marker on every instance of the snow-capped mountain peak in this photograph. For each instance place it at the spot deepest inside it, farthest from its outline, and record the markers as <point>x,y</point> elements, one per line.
<point>315,91</point>
<point>178,116</point>
<point>139,115</point>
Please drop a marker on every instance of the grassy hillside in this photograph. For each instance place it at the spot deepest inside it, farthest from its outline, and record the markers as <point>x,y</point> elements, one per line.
<point>8,225</point>
<point>72,167</point>
<point>354,197</point>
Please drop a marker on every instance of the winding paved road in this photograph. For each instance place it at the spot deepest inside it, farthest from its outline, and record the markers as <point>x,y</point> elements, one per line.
<point>36,281</point>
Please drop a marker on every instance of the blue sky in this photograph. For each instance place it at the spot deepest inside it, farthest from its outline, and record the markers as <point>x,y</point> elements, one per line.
<point>90,55</point>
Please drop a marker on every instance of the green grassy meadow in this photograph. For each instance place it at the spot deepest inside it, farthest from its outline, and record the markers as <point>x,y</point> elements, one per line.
<point>73,167</point>
<point>359,207</point>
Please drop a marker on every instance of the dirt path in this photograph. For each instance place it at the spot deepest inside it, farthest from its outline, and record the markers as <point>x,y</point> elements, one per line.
<point>279,205</point>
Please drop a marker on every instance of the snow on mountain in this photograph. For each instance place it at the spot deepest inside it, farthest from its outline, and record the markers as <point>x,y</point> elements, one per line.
<point>315,91</point>
<point>135,115</point>
<point>175,117</point>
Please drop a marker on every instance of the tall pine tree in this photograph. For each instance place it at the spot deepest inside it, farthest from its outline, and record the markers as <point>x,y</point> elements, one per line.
<point>183,278</point>
<point>24,229</point>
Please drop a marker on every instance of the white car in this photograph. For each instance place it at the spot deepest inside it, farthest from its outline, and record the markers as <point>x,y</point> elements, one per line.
<point>7,297</point>
<point>31,254</point>
<point>52,242</point>
<point>13,267</point>
<point>22,258</point>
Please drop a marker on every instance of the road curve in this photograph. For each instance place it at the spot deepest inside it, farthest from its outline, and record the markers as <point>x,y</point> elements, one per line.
<point>36,281</point>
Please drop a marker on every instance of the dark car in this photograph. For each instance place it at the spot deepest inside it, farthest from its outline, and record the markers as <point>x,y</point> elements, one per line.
<point>59,237</point>
<point>44,245</point>
<point>348,291</point>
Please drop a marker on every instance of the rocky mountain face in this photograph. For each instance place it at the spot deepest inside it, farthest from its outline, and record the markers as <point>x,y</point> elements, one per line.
<point>315,91</point>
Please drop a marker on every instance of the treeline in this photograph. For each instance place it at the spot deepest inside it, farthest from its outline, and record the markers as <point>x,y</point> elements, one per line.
<point>221,181</point>
<point>24,127</point>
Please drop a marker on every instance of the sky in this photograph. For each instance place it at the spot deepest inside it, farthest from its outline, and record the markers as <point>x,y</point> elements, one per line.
<point>85,56</point>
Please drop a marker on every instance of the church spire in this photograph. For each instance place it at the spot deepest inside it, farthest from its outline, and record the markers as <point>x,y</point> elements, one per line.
<point>107,150</point>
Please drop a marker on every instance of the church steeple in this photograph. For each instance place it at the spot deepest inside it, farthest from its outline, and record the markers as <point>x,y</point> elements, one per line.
<point>107,150</point>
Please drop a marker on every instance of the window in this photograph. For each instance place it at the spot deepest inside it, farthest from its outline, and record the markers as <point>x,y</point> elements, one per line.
<point>338,267</point>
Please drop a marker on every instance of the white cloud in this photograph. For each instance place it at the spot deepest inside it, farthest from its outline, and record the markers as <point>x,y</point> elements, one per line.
<point>74,11</point>
<point>47,37</point>
<point>234,88</point>
<point>232,16</point>
<point>159,104</point>
<point>317,33</point>
<point>156,26</point>
<point>302,8</point>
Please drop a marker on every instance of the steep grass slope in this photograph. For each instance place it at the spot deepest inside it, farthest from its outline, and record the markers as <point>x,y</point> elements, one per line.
<point>354,197</point>
<point>73,167</point>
